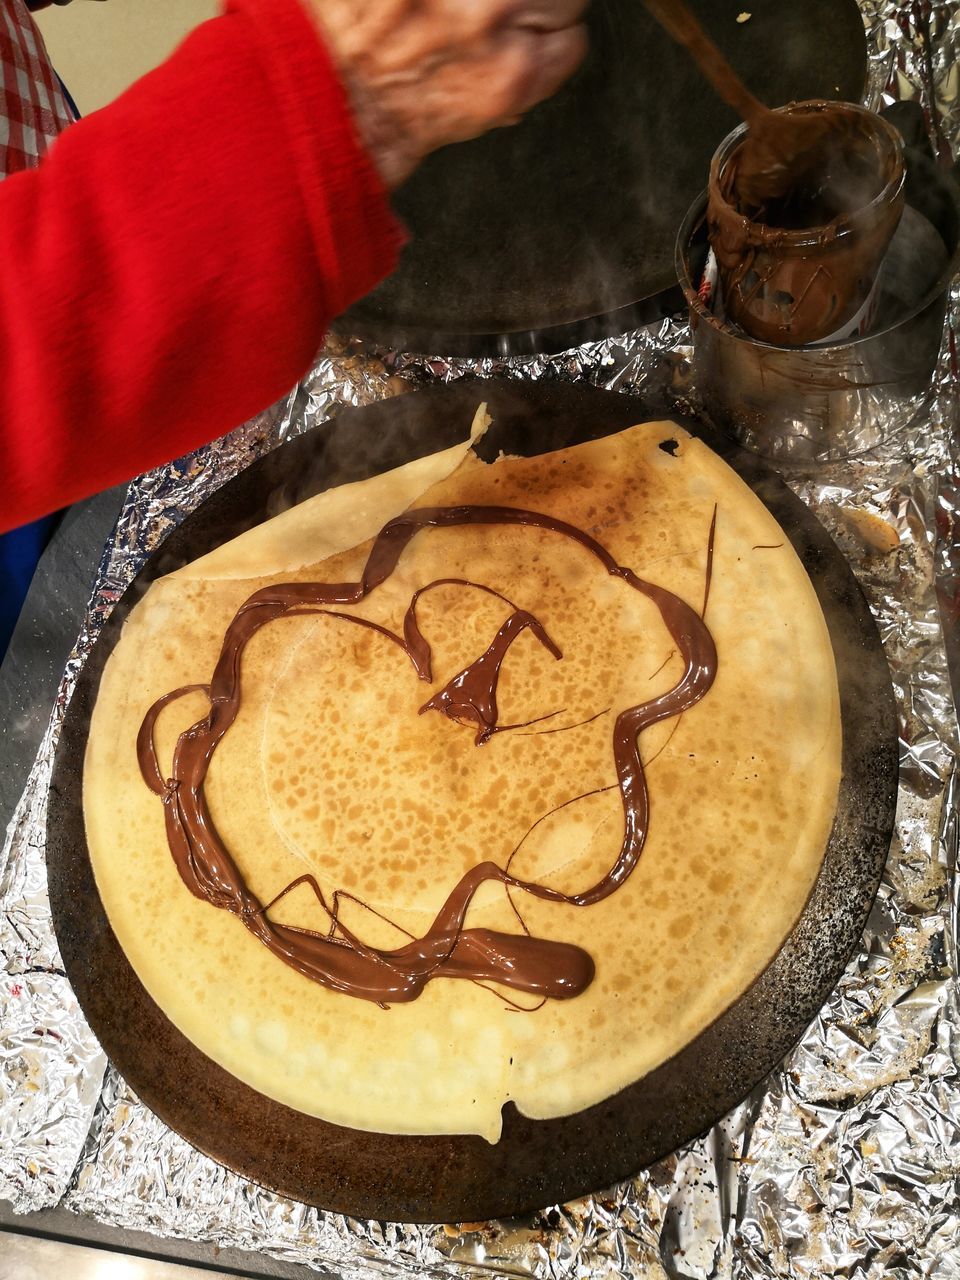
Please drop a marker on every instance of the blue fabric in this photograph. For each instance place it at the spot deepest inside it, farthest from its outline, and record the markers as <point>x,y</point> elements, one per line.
<point>20,549</point>
<point>70,102</point>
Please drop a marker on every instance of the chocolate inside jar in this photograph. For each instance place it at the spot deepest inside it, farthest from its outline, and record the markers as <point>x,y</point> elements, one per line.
<point>844,172</point>
<point>798,258</point>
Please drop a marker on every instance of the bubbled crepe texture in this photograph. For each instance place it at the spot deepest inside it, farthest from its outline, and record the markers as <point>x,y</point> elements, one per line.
<point>330,768</point>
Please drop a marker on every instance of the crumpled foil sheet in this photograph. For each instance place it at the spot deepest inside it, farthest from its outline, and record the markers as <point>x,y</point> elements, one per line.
<point>847,1160</point>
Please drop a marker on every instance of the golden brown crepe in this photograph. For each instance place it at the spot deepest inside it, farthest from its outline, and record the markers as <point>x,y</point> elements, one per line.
<point>332,769</point>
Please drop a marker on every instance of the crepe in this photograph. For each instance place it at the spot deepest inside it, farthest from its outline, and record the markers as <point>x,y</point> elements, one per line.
<point>349,767</point>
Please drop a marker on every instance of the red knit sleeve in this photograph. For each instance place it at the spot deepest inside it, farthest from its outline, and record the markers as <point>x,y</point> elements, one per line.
<point>171,267</point>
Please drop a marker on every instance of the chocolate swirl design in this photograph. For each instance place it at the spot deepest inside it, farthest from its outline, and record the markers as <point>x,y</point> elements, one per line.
<point>340,960</point>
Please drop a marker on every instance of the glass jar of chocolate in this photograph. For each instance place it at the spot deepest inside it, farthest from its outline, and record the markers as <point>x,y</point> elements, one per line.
<point>798,260</point>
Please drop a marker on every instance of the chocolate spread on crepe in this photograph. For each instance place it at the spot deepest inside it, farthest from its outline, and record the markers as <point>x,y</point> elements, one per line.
<point>340,960</point>
<point>351,770</point>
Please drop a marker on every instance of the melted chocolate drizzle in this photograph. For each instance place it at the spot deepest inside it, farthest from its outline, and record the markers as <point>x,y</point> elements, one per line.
<point>340,960</point>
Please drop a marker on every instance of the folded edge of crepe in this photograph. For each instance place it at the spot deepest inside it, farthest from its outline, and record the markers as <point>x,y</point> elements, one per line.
<point>332,521</point>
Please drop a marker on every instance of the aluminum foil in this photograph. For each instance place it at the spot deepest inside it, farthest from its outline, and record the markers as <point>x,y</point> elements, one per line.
<point>847,1160</point>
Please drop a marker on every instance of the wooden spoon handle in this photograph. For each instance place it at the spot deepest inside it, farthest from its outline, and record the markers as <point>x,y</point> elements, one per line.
<point>676,18</point>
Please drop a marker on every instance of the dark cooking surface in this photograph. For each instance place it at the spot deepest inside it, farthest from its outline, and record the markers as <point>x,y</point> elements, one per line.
<point>536,1162</point>
<point>575,211</point>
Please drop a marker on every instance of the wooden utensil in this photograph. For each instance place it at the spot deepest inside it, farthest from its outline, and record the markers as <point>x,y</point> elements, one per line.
<point>779,148</point>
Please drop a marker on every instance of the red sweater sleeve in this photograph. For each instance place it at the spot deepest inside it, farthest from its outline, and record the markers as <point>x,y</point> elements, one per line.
<point>171,267</point>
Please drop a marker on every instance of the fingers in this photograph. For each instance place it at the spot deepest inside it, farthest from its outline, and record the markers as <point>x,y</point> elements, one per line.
<point>474,19</point>
<point>542,15</point>
<point>553,58</point>
<point>424,73</point>
<point>524,67</point>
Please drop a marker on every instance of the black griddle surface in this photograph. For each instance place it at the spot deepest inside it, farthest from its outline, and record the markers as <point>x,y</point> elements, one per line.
<point>574,212</point>
<point>536,1163</point>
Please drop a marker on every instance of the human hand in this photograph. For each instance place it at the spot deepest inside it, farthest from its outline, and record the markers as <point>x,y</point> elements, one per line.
<point>424,73</point>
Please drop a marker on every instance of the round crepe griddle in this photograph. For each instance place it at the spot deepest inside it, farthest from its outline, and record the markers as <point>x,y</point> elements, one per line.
<point>536,1163</point>
<point>573,212</point>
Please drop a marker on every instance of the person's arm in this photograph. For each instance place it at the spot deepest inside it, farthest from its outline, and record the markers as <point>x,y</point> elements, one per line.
<point>171,267</point>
